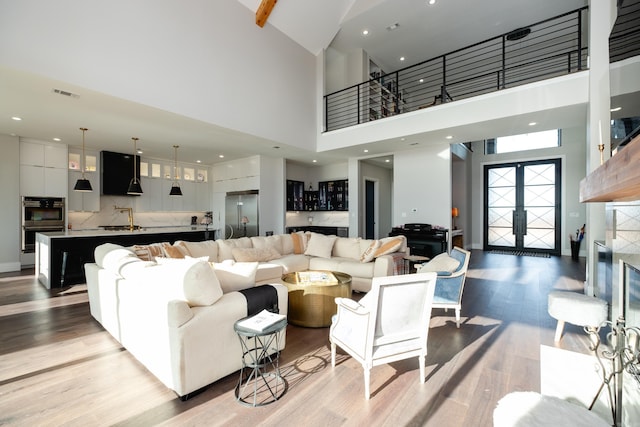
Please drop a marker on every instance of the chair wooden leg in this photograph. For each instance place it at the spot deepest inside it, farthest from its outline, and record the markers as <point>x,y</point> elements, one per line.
<point>458,318</point>
<point>367,374</point>
<point>559,329</point>
<point>333,355</point>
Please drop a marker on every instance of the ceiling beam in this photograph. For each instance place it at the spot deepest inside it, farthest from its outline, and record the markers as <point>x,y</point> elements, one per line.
<point>263,12</point>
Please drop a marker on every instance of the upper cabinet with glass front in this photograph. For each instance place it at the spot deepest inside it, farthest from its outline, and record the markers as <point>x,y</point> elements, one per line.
<point>81,201</point>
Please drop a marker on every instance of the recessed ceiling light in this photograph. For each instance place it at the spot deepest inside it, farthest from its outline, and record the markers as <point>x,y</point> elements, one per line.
<point>421,80</point>
<point>613,110</point>
<point>402,139</point>
<point>365,32</point>
<point>314,161</point>
<point>139,151</point>
<point>16,118</point>
<point>533,124</point>
<point>402,58</point>
<point>221,156</point>
<point>449,137</point>
<point>57,139</point>
<point>366,151</point>
<point>387,161</point>
<point>432,1</point>
<point>198,161</point>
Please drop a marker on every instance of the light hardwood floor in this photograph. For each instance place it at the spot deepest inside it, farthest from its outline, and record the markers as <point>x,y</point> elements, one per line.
<point>59,367</point>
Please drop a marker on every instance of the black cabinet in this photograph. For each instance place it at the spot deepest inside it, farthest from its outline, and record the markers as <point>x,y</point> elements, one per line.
<point>310,200</point>
<point>333,195</point>
<point>295,195</point>
<point>422,241</point>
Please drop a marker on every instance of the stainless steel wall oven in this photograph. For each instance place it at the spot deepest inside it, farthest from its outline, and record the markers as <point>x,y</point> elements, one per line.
<point>40,214</point>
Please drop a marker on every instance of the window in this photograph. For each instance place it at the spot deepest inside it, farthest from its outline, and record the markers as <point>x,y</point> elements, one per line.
<point>527,141</point>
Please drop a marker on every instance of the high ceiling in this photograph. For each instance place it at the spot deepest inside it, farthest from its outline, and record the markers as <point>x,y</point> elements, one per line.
<point>423,31</point>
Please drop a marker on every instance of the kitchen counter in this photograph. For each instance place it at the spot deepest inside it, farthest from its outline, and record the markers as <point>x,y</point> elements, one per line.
<point>60,256</point>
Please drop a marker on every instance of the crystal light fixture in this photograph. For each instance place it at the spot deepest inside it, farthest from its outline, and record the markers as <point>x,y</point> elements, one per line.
<point>134,186</point>
<point>175,188</point>
<point>83,184</point>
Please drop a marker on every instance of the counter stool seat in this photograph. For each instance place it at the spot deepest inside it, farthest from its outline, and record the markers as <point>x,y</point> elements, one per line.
<point>577,309</point>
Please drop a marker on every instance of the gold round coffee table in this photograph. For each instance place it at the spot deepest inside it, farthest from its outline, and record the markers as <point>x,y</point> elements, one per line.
<point>312,296</point>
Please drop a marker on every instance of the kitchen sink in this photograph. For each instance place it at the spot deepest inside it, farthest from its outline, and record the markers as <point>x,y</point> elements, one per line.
<point>119,227</point>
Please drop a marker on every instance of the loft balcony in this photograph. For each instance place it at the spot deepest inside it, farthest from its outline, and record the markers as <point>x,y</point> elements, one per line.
<point>547,49</point>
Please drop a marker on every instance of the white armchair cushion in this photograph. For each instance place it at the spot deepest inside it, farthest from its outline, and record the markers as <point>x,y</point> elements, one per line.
<point>442,262</point>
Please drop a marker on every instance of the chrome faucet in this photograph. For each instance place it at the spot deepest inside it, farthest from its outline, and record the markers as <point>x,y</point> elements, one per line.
<point>130,212</point>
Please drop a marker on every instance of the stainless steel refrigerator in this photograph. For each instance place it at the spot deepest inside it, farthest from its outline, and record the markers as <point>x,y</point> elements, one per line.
<point>241,214</point>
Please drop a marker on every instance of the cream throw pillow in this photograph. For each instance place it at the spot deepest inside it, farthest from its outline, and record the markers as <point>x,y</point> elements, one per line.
<point>442,262</point>
<point>369,254</point>
<point>320,245</point>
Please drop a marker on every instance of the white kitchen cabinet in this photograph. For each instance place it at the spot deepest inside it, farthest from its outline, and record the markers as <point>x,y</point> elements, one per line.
<point>43,169</point>
<point>80,201</point>
<point>151,198</point>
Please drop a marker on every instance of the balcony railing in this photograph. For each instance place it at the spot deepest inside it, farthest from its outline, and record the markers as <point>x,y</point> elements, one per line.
<point>547,49</point>
<point>624,41</point>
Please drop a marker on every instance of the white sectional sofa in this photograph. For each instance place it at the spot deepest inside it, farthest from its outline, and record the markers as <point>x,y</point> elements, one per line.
<point>173,306</point>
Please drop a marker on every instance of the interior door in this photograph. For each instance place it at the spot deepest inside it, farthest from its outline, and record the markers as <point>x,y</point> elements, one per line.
<point>522,206</point>
<point>370,209</point>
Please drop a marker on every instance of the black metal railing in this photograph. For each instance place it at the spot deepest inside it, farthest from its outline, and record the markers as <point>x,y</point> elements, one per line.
<point>550,48</point>
<point>624,41</point>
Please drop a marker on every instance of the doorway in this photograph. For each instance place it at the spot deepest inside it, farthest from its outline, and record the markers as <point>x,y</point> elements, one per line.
<point>522,206</point>
<point>370,209</point>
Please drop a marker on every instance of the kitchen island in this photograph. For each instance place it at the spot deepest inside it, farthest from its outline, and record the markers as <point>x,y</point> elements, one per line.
<point>60,256</point>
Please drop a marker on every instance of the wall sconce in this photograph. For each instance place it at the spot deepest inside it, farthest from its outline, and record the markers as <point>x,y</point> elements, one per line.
<point>83,184</point>
<point>134,185</point>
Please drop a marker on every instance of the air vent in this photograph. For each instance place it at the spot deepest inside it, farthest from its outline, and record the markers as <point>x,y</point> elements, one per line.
<point>65,93</point>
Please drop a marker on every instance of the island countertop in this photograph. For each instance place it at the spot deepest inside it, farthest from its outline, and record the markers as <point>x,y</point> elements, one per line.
<point>61,255</point>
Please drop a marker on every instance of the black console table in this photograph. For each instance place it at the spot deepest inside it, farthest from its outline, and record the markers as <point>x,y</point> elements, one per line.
<point>422,239</point>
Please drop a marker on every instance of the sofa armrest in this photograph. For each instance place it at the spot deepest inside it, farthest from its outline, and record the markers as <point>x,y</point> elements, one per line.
<point>178,313</point>
<point>385,265</point>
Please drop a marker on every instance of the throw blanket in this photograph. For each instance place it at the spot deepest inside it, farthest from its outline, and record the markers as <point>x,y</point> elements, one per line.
<point>260,298</point>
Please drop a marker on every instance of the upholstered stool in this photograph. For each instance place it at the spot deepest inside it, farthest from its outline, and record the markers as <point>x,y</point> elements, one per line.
<point>577,309</point>
<point>530,409</point>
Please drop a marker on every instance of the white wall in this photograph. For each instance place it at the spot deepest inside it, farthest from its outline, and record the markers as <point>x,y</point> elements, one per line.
<point>10,207</point>
<point>573,159</point>
<point>202,59</point>
<point>422,186</point>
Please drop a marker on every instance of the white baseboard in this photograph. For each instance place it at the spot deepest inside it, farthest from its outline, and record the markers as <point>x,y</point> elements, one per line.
<point>6,267</point>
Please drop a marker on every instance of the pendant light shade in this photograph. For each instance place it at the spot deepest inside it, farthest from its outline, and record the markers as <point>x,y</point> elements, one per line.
<point>83,184</point>
<point>175,187</point>
<point>134,185</point>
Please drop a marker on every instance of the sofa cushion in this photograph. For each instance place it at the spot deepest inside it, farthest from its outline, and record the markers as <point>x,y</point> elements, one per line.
<point>187,279</point>
<point>266,242</point>
<point>255,254</point>
<point>389,245</point>
<point>292,262</point>
<point>354,268</point>
<point>172,251</point>
<point>347,247</point>
<point>234,276</point>
<point>225,247</point>
<point>268,272</point>
<point>442,262</point>
<point>369,252</point>
<point>101,251</point>
<point>199,249</point>
<point>320,245</point>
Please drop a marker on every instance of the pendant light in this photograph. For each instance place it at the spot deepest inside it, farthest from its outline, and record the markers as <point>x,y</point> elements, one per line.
<point>83,184</point>
<point>134,185</point>
<point>175,188</point>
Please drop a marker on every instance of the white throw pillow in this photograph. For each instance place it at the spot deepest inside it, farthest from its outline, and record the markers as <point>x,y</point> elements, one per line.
<point>320,245</point>
<point>235,276</point>
<point>190,280</point>
<point>226,246</point>
<point>370,253</point>
<point>442,262</point>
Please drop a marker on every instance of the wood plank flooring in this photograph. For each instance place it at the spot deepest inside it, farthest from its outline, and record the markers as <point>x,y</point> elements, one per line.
<point>59,367</point>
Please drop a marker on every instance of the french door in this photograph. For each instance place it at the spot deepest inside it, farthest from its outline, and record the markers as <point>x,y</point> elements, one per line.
<point>522,206</point>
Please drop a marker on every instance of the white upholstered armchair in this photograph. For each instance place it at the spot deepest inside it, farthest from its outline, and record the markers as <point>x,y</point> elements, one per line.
<point>390,323</point>
<point>452,272</point>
